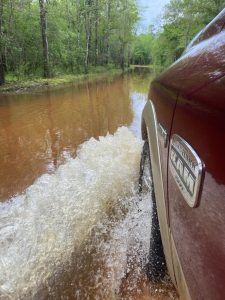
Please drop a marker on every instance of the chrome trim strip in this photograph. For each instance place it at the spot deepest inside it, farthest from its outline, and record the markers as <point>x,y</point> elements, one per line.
<point>150,120</point>
<point>186,168</point>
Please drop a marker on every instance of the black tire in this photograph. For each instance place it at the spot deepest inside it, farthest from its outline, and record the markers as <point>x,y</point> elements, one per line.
<point>156,266</point>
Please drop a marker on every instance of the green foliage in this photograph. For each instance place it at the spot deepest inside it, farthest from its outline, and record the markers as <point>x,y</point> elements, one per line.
<point>85,35</point>
<point>81,34</point>
<point>142,50</point>
<point>183,19</point>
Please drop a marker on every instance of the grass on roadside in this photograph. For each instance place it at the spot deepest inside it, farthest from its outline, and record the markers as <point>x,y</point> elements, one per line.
<point>25,85</point>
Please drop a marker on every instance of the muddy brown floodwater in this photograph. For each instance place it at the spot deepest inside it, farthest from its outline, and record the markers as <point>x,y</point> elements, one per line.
<point>71,223</point>
<point>38,130</point>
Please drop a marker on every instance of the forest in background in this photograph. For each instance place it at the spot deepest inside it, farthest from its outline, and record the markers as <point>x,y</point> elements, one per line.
<point>182,20</point>
<point>48,38</point>
<point>51,37</point>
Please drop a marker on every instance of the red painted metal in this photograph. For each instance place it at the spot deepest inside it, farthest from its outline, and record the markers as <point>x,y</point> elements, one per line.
<point>194,87</point>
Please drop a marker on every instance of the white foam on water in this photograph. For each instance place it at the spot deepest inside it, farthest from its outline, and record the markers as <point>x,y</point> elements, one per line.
<point>40,230</point>
<point>128,248</point>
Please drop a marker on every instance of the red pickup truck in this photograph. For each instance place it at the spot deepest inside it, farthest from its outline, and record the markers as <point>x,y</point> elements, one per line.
<point>183,125</point>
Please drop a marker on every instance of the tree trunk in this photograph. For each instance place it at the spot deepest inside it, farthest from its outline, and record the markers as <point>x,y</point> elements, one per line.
<point>122,57</point>
<point>88,39</point>
<point>96,31</point>
<point>88,26</point>
<point>108,31</point>
<point>2,60</point>
<point>69,41</point>
<point>78,22</point>
<point>43,24</point>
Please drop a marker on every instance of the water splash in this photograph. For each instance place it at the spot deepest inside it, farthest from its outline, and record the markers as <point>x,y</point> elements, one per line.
<point>45,233</point>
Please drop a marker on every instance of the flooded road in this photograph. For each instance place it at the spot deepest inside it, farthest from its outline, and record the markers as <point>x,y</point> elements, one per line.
<point>38,131</point>
<point>74,227</point>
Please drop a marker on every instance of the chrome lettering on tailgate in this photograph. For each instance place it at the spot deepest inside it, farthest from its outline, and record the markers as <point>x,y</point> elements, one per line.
<point>186,168</point>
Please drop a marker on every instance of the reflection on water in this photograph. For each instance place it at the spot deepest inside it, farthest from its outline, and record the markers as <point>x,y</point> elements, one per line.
<point>38,131</point>
<point>140,82</point>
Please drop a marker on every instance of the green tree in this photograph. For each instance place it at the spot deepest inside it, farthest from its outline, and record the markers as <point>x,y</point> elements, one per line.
<point>2,65</point>
<point>142,49</point>
<point>80,34</point>
<point>183,19</point>
<point>43,24</point>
